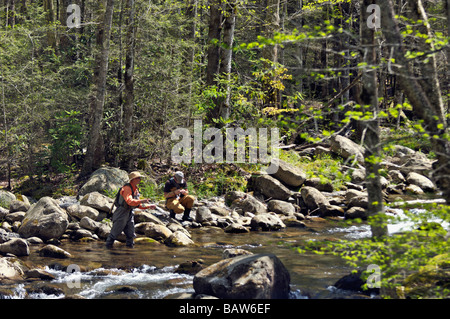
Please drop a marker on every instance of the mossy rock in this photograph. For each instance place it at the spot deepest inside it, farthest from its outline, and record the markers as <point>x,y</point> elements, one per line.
<point>431,281</point>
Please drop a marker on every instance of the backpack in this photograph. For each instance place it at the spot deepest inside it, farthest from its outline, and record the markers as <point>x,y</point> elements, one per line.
<point>116,200</point>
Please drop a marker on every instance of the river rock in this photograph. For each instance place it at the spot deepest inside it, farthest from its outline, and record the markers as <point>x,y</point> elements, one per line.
<point>79,211</point>
<point>414,189</point>
<point>396,176</point>
<point>423,182</point>
<point>289,174</point>
<point>105,179</point>
<point>356,212</point>
<point>178,239</point>
<point>236,228</point>
<point>219,210</point>
<point>19,206</point>
<point>329,210</point>
<point>234,252</point>
<point>281,207</point>
<point>249,204</point>
<point>11,268</point>
<point>156,231</point>
<point>232,196</point>
<point>97,201</point>
<point>313,198</point>
<point>141,216</point>
<point>203,214</point>
<point>346,148</point>
<point>45,219</point>
<point>15,217</point>
<point>15,246</point>
<point>261,276</point>
<point>6,198</point>
<point>359,201</point>
<point>319,184</point>
<point>89,224</point>
<point>53,252</point>
<point>267,222</point>
<point>271,187</point>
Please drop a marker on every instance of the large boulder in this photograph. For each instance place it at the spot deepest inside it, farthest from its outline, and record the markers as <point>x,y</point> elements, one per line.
<point>6,198</point>
<point>105,179</point>
<point>80,211</point>
<point>271,187</point>
<point>249,204</point>
<point>290,174</point>
<point>45,220</point>
<point>281,207</point>
<point>261,276</point>
<point>15,246</point>
<point>423,182</point>
<point>203,214</point>
<point>313,198</point>
<point>97,201</point>
<point>346,148</point>
<point>267,222</point>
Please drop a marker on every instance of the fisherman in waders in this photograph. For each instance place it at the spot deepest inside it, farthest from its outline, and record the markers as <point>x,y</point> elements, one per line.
<point>177,199</point>
<point>123,218</point>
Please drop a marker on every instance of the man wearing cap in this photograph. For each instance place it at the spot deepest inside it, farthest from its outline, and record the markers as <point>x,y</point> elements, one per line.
<point>123,218</point>
<point>177,199</point>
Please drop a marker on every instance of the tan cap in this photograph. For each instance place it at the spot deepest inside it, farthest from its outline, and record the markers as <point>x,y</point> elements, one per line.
<point>134,175</point>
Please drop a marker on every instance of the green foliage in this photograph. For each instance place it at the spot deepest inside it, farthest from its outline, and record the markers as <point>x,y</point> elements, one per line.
<point>66,140</point>
<point>325,167</point>
<point>398,255</point>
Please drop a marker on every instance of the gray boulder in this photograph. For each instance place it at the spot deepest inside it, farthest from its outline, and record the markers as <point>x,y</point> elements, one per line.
<point>266,222</point>
<point>15,246</point>
<point>346,148</point>
<point>250,204</point>
<point>313,198</point>
<point>290,174</point>
<point>105,179</point>
<point>45,220</point>
<point>281,207</point>
<point>261,276</point>
<point>80,211</point>
<point>423,182</point>
<point>178,239</point>
<point>271,187</point>
<point>97,201</point>
<point>203,214</point>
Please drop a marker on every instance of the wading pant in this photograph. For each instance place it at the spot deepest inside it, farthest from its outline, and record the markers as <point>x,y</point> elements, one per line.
<point>123,221</point>
<point>179,204</point>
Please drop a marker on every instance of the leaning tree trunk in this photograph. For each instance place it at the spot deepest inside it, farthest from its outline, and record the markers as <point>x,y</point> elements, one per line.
<point>420,98</point>
<point>97,99</point>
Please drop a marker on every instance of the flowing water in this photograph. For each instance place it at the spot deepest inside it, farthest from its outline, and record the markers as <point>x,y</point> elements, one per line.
<point>149,270</point>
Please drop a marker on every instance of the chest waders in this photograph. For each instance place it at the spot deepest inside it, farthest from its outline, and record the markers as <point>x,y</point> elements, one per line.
<point>123,220</point>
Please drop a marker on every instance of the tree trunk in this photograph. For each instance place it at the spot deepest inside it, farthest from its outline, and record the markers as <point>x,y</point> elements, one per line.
<point>420,99</point>
<point>94,153</point>
<point>129,82</point>
<point>215,27</point>
<point>223,105</point>
<point>371,131</point>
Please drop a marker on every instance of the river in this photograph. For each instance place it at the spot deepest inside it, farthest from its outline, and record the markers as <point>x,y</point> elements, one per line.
<point>148,271</point>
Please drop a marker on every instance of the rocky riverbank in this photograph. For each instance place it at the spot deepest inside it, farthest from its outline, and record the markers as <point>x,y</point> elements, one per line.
<point>284,199</point>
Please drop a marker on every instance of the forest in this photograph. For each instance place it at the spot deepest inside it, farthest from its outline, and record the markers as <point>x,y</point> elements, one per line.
<point>86,83</point>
